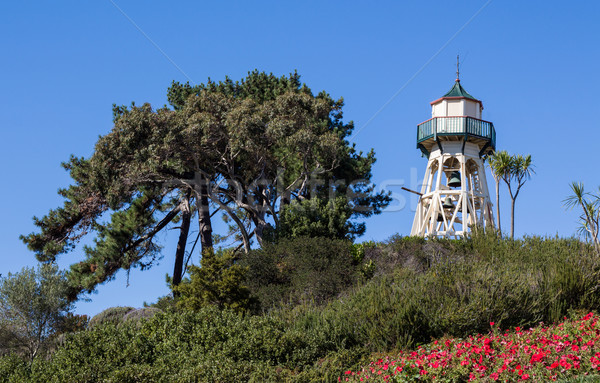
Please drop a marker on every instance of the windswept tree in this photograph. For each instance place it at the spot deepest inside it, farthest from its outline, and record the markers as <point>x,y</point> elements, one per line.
<point>123,181</point>
<point>245,149</point>
<point>277,143</point>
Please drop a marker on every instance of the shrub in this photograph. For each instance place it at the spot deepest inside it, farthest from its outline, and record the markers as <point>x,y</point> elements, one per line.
<point>209,345</point>
<point>164,303</point>
<point>141,314</point>
<point>218,281</point>
<point>72,323</point>
<point>113,315</point>
<point>300,270</point>
<point>14,369</point>
<point>458,287</point>
<point>433,288</point>
<point>316,217</point>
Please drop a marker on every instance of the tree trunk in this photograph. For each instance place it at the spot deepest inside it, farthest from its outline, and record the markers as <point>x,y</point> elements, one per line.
<point>181,244</point>
<point>498,205</point>
<point>237,220</point>
<point>259,231</point>
<point>204,220</point>
<point>512,219</point>
<point>259,218</point>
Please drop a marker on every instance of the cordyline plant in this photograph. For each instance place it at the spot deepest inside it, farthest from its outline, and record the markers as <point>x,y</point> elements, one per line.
<point>590,218</point>
<point>499,163</point>
<point>514,170</point>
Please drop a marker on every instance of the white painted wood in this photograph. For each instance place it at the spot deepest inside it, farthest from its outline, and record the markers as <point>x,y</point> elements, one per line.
<point>451,107</point>
<point>472,203</point>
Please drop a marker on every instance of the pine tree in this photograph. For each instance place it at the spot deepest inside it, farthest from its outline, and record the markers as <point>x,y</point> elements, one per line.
<point>246,149</point>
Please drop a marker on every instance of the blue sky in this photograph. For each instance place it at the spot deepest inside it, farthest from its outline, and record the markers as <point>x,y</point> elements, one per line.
<point>533,64</point>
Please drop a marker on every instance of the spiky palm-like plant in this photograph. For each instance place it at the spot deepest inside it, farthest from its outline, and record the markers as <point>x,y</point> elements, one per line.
<point>499,163</point>
<point>520,170</point>
<point>590,218</point>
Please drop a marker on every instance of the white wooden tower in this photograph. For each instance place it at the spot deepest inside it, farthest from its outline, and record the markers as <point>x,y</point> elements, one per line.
<point>454,196</point>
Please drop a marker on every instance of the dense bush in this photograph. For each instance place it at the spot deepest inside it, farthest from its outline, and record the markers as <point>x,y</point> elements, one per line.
<point>316,217</point>
<point>14,369</point>
<point>300,270</point>
<point>459,287</point>
<point>420,290</point>
<point>164,303</point>
<point>210,345</point>
<point>219,281</point>
<point>113,315</point>
<point>141,314</point>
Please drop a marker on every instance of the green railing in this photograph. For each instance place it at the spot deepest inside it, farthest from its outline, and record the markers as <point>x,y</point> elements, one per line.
<point>456,126</point>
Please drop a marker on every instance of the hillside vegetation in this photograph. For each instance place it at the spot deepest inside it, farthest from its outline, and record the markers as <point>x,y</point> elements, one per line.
<point>322,307</point>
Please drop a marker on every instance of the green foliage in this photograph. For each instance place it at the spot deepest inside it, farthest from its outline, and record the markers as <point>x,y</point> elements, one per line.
<point>317,217</point>
<point>245,146</point>
<point>514,170</point>
<point>72,323</point>
<point>367,268</point>
<point>14,369</point>
<point>33,305</point>
<point>499,163</point>
<point>209,345</point>
<point>300,270</point>
<point>164,303</point>
<point>458,287</point>
<point>112,315</point>
<point>141,314</point>
<point>219,281</point>
<point>421,289</point>
<point>258,86</point>
<point>589,220</point>
<point>581,379</point>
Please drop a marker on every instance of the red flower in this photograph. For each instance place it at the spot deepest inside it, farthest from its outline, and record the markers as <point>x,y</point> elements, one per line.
<point>575,347</point>
<point>552,366</point>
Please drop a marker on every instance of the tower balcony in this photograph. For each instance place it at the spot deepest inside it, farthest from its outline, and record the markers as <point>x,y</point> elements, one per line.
<point>459,128</point>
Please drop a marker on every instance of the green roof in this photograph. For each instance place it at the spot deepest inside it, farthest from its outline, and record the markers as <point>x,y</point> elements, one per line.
<point>458,91</point>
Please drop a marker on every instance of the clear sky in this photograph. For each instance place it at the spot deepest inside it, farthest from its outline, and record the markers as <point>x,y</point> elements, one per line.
<point>534,64</point>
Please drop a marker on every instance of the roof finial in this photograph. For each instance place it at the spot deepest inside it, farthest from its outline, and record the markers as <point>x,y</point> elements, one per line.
<point>457,70</point>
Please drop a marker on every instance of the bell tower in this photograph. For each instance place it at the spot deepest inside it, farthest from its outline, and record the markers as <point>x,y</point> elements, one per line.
<point>454,195</point>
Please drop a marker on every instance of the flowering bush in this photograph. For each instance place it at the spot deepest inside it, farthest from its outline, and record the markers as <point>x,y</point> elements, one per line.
<point>544,353</point>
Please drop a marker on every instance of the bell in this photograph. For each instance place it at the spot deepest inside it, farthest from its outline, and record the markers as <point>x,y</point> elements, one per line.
<point>454,181</point>
<point>440,217</point>
<point>448,203</point>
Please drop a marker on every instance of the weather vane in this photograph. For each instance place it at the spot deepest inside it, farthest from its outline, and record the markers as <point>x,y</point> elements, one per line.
<point>457,70</point>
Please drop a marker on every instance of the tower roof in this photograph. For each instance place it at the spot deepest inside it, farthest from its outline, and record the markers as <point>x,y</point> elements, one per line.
<point>458,91</point>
